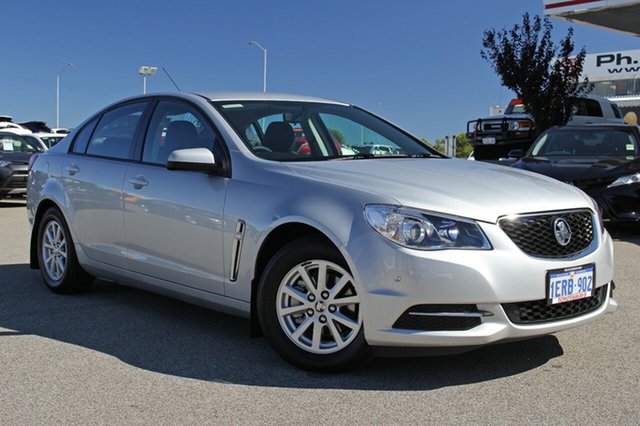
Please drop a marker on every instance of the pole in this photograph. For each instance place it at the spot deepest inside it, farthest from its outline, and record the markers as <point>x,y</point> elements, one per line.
<point>58,101</point>
<point>144,84</point>
<point>264,78</point>
<point>264,66</point>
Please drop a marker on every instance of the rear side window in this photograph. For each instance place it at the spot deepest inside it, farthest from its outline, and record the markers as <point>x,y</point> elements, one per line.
<point>616,111</point>
<point>82,140</point>
<point>114,134</point>
<point>588,107</point>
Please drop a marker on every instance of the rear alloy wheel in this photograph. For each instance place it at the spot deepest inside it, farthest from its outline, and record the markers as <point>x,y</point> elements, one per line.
<point>59,265</point>
<point>309,307</point>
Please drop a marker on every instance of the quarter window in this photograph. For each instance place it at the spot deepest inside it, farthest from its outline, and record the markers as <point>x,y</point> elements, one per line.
<point>82,140</point>
<point>174,126</point>
<point>115,132</point>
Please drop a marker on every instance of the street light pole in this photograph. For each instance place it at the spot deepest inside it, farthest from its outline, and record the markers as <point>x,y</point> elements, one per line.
<point>69,65</point>
<point>264,68</point>
<point>145,71</point>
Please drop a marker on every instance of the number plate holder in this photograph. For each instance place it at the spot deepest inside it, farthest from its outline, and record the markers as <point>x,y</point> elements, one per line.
<point>567,284</point>
<point>489,141</point>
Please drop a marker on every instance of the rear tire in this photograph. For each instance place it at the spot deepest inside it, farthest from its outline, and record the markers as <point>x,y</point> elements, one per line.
<point>309,308</point>
<point>57,258</point>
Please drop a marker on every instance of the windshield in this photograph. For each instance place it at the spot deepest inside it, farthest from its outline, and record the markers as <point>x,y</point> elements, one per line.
<point>297,131</point>
<point>596,142</point>
<point>50,141</point>
<point>15,143</point>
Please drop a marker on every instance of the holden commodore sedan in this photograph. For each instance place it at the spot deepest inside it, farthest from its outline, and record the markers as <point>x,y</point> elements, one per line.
<point>334,257</point>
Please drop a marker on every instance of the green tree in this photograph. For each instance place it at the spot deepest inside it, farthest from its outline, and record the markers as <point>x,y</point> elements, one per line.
<point>545,76</point>
<point>338,135</point>
<point>463,147</point>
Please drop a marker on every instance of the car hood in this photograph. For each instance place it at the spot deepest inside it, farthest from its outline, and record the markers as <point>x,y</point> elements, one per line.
<point>16,157</point>
<point>458,187</point>
<point>576,170</point>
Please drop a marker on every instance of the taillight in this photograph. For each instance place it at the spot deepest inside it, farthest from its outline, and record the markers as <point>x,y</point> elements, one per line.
<point>32,160</point>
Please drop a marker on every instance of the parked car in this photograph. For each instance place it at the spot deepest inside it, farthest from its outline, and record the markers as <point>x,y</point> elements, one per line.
<point>335,257</point>
<point>603,160</point>
<point>15,152</point>
<point>7,125</point>
<point>47,139</point>
<point>493,137</point>
<point>36,126</point>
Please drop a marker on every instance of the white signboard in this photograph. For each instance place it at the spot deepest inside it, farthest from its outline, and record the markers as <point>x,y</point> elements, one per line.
<point>612,65</point>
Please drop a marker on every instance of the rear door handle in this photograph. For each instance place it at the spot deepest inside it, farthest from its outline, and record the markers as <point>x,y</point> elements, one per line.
<point>72,169</point>
<point>138,182</point>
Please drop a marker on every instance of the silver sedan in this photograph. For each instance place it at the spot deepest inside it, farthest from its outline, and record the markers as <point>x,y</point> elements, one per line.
<point>278,208</point>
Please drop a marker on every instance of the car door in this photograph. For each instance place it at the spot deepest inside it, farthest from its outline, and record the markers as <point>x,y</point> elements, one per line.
<point>92,180</point>
<point>173,219</point>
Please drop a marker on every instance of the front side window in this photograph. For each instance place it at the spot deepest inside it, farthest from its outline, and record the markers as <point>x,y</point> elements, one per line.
<point>114,135</point>
<point>298,131</point>
<point>174,126</point>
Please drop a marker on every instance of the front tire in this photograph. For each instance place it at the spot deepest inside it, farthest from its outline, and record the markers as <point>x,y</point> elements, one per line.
<point>57,258</point>
<point>309,308</point>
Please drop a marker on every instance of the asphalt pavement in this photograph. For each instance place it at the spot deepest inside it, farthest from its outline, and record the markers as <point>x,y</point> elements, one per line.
<point>118,355</point>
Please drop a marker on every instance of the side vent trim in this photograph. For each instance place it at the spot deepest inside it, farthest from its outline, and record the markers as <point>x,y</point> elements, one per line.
<point>236,250</point>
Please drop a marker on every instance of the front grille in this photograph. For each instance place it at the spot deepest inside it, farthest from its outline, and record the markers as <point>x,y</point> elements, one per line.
<point>17,181</point>
<point>437,323</point>
<point>539,311</point>
<point>534,234</point>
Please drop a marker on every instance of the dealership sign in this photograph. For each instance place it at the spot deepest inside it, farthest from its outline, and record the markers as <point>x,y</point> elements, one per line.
<point>614,65</point>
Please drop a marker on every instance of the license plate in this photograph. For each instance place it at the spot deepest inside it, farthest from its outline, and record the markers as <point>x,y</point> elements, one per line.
<point>565,285</point>
<point>488,141</point>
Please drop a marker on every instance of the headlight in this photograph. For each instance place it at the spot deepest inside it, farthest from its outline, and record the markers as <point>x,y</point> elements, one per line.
<point>424,230</point>
<point>626,180</point>
<point>519,125</point>
<point>599,213</point>
<point>4,163</point>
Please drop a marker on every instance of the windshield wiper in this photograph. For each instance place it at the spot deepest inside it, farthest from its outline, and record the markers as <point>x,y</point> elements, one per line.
<point>369,156</point>
<point>540,159</point>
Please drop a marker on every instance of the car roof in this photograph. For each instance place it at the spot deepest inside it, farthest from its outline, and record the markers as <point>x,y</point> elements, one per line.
<point>262,96</point>
<point>621,126</point>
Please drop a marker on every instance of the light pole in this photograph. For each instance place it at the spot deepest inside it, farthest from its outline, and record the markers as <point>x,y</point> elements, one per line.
<point>264,68</point>
<point>69,65</point>
<point>145,71</point>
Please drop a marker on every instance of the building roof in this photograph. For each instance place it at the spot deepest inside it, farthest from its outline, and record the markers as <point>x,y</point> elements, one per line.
<point>619,15</point>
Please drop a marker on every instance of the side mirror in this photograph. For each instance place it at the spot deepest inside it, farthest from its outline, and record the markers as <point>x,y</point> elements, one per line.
<point>516,153</point>
<point>192,159</point>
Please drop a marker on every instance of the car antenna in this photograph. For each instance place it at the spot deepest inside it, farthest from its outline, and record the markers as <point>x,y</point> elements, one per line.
<point>168,75</point>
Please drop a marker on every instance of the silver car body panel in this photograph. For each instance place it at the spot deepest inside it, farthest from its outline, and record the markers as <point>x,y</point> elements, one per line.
<point>178,232</point>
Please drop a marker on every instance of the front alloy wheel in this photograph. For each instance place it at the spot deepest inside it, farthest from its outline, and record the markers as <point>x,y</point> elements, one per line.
<point>309,307</point>
<point>318,307</point>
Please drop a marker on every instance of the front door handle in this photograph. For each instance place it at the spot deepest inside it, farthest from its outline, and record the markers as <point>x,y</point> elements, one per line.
<point>72,169</point>
<point>138,182</point>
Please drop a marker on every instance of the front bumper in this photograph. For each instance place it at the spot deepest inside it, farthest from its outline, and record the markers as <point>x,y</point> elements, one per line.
<point>620,203</point>
<point>13,180</point>
<point>401,278</point>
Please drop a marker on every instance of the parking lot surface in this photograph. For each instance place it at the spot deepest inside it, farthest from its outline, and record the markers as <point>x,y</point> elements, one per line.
<point>118,355</point>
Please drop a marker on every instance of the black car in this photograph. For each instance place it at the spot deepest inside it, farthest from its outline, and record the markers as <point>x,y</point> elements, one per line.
<point>602,160</point>
<point>15,151</point>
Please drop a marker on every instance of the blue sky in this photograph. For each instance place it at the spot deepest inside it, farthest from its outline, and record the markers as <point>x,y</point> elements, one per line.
<point>415,62</point>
